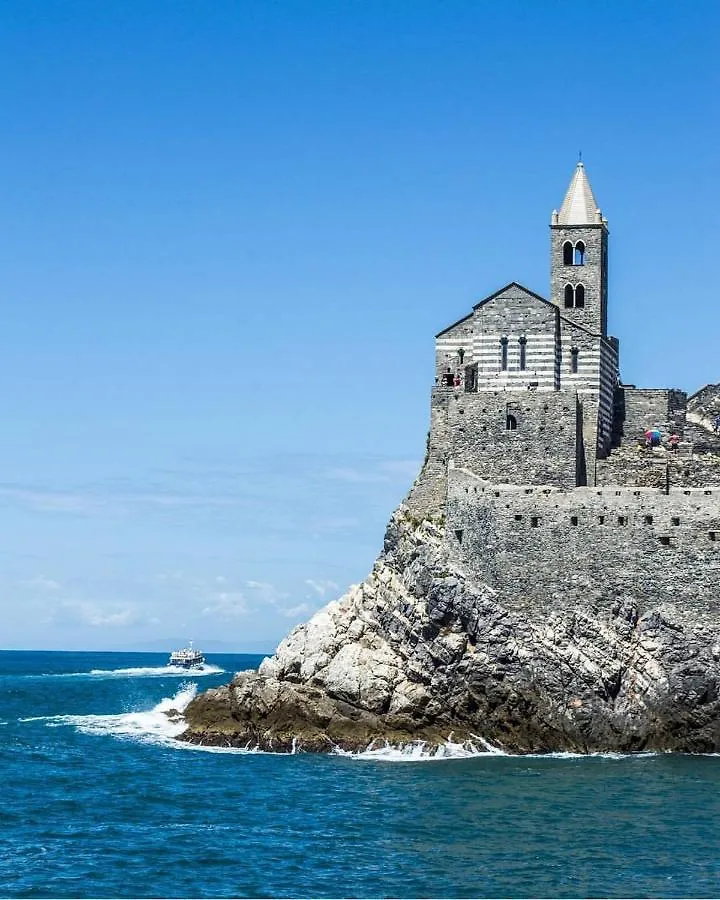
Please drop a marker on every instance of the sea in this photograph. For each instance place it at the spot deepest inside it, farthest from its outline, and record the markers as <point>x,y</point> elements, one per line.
<point>99,799</point>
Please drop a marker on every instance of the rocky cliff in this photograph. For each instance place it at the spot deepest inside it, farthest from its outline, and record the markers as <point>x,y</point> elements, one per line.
<point>420,651</point>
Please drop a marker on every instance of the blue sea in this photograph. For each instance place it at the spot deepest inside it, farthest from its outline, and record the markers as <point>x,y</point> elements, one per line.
<point>98,800</point>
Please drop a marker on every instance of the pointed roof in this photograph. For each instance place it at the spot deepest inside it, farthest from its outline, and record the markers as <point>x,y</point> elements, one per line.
<point>579,206</point>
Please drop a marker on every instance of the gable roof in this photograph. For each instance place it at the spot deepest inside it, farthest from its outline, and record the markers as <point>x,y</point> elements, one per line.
<point>513,284</point>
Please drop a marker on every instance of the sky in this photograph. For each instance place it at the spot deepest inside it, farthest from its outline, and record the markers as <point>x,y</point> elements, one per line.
<point>228,234</point>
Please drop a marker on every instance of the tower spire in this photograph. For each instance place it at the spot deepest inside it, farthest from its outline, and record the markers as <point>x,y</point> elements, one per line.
<point>579,206</point>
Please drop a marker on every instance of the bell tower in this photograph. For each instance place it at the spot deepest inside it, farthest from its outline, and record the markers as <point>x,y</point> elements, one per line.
<point>579,253</point>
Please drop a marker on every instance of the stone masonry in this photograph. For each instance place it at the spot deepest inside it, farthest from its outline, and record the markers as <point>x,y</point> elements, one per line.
<point>537,459</point>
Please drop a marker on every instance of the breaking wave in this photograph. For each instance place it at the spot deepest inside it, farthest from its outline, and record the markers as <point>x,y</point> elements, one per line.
<point>419,751</point>
<point>159,725</point>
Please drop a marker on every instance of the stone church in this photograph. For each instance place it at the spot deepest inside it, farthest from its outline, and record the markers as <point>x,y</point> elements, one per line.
<point>536,465</point>
<point>529,387</point>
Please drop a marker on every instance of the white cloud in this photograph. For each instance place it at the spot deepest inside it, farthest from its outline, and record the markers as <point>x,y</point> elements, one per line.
<point>293,612</point>
<point>227,605</point>
<point>266,592</point>
<point>321,586</point>
<point>40,583</point>
<point>82,612</point>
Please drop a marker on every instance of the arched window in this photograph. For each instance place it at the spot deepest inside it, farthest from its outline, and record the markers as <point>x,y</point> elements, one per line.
<point>461,356</point>
<point>503,353</point>
<point>569,296</point>
<point>567,253</point>
<point>579,255</point>
<point>511,423</point>
<point>579,296</point>
<point>523,345</point>
<point>574,352</point>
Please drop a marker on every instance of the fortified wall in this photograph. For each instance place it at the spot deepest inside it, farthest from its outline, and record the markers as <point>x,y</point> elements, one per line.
<point>553,477</point>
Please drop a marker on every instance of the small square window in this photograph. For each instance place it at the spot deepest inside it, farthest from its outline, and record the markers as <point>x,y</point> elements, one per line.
<point>573,520</point>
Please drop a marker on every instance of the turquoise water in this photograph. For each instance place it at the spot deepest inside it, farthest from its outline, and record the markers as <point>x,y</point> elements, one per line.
<point>97,801</point>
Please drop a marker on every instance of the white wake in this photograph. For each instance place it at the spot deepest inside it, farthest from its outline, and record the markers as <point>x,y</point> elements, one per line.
<point>143,672</point>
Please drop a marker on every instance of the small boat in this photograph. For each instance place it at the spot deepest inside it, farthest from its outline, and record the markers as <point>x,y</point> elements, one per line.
<point>187,658</point>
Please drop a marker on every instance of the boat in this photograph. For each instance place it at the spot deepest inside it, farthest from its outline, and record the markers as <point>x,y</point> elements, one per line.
<point>187,658</point>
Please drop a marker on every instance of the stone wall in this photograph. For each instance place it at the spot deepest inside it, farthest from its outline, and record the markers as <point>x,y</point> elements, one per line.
<point>541,448</point>
<point>542,545</point>
<point>638,409</point>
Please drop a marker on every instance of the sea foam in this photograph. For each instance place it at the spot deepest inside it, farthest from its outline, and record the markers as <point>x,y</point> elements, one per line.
<point>142,672</point>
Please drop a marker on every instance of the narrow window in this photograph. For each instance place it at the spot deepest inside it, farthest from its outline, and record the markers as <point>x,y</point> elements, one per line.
<point>579,297</point>
<point>523,345</point>
<point>573,520</point>
<point>574,353</point>
<point>601,520</point>
<point>567,253</point>
<point>503,353</point>
<point>534,521</point>
<point>569,296</point>
<point>461,356</point>
<point>511,423</point>
<point>648,520</point>
<point>579,255</point>
<point>471,378</point>
<point>459,535</point>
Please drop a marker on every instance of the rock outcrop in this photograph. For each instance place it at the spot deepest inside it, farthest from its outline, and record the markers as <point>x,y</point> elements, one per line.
<point>420,651</point>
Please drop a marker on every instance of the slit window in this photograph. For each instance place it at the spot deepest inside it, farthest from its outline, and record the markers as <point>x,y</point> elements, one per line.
<point>523,345</point>
<point>461,356</point>
<point>503,354</point>
<point>574,353</point>
<point>459,535</point>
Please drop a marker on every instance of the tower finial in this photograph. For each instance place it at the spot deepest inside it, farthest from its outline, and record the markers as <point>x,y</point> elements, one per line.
<point>579,156</point>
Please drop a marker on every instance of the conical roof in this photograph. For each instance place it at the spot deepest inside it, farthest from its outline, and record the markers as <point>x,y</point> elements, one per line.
<point>579,206</point>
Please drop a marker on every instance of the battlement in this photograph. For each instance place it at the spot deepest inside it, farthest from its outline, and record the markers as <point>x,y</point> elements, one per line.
<point>596,541</point>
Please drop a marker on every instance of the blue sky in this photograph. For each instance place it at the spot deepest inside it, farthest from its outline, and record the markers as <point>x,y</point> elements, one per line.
<point>228,234</point>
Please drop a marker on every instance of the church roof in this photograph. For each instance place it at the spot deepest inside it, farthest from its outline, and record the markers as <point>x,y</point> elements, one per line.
<point>579,206</point>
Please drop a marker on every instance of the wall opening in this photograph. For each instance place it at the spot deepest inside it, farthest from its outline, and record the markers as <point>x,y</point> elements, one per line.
<point>523,345</point>
<point>712,535</point>
<point>665,540</point>
<point>573,520</point>
<point>511,423</point>
<point>601,520</point>
<point>675,520</point>
<point>648,520</point>
<point>534,521</point>
<point>459,535</point>
<point>448,379</point>
<point>569,296</point>
<point>579,296</point>
<point>461,356</point>
<point>579,254</point>
<point>503,353</point>
<point>622,520</point>
<point>567,253</point>
<point>471,378</point>
<point>574,354</point>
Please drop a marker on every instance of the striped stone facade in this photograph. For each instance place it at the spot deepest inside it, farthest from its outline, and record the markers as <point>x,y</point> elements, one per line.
<point>516,342</point>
